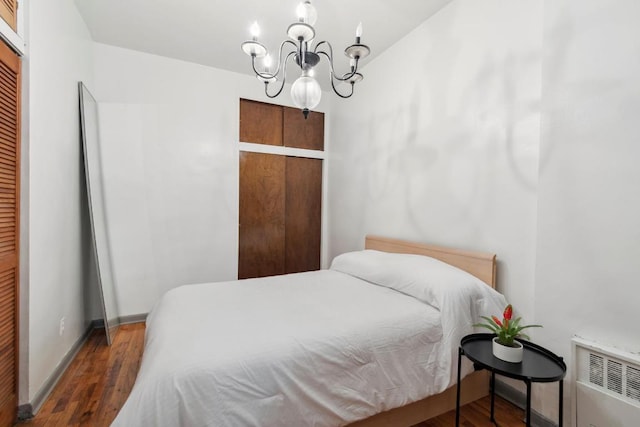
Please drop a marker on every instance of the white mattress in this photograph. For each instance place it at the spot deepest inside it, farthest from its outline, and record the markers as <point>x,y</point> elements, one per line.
<point>319,349</point>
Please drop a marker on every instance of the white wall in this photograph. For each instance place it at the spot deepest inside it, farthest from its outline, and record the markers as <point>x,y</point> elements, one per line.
<point>170,145</point>
<point>440,142</point>
<point>450,152</point>
<point>589,202</point>
<point>58,245</point>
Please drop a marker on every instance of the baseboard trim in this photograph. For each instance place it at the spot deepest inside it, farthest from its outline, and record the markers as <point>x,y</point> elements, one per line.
<point>133,318</point>
<point>96,324</point>
<point>519,399</point>
<point>28,410</point>
<point>121,320</point>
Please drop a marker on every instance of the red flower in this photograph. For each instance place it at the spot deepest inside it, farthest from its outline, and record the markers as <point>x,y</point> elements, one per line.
<point>498,322</point>
<point>508,312</point>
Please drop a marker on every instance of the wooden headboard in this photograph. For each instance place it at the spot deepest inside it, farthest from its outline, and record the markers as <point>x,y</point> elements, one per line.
<point>480,264</point>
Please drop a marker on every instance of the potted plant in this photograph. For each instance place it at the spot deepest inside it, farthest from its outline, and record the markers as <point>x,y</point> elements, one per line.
<point>505,345</point>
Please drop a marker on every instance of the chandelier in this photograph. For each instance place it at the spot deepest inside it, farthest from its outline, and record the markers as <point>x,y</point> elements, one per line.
<point>305,91</point>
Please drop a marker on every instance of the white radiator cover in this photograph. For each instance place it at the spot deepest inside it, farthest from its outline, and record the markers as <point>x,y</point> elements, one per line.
<point>607,386</point>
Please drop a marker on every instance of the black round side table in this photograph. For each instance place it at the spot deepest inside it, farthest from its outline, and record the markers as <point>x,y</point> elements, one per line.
<point>538,365</point>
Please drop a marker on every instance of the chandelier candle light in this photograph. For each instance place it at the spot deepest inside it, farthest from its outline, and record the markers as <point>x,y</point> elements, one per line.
<point>305,91</point>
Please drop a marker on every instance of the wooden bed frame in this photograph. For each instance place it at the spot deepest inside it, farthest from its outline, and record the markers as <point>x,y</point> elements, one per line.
<point>475,385</point>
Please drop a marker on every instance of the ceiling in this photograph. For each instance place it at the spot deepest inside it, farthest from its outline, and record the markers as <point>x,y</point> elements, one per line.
<point>210,32</point>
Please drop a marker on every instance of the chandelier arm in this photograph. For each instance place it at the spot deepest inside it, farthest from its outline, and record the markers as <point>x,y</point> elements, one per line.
<point>265,75</point>
<point>330,58</point>
<point>333,85</point>
<point>315,50</point>
<point>280,62</point>
<point>347,76</point>
<point>328,55</point>
<point>284,79</point>
<point>258,73</point>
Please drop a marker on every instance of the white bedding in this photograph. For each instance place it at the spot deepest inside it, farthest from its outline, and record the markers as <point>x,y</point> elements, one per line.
<point>319,349</point>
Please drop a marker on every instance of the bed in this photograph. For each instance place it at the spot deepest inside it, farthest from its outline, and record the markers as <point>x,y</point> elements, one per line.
<point>372,341</point>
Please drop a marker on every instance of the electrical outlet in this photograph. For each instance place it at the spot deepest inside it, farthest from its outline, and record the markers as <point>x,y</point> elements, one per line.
<point>61,326</point>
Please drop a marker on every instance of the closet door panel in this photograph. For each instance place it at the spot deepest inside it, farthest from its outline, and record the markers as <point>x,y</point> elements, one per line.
<point>260,123</point>
<point>262,215</point>
<point>301,133</point>
<point>9,230</point>
<point>303,214</point>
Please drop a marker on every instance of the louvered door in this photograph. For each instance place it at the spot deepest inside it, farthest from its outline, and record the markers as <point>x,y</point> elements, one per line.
<point>9,230</point>
<point>9,11</point>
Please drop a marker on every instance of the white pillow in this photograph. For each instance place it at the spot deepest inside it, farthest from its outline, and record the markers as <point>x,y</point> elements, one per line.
<point>460,297</point>
<point>427,279</point>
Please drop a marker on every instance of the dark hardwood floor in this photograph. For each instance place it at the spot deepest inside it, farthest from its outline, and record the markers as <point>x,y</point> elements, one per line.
<point>100,378</point>
<point>97,382</point>
<point>476,414</point>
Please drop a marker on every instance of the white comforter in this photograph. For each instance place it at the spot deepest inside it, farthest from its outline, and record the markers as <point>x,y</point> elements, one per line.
<point>319,349</point>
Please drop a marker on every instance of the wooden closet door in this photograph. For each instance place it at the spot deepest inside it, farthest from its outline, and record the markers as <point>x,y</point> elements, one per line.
<point>280,197</point>
<point>260,123</point>
<point>303,217</point>
<point>299,132</point>
<point>9,12</point>
<point>9,230</point>
<point>262,215</point>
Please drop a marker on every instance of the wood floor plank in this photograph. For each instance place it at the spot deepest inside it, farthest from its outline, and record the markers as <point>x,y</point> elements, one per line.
<point>100,378</point>
<point>95,386</point>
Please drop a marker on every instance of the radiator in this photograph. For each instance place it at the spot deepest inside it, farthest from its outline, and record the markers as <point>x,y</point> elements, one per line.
<point>607,386</point>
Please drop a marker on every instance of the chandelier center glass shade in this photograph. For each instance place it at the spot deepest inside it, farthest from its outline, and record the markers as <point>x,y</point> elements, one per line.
<point>305,91</point>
